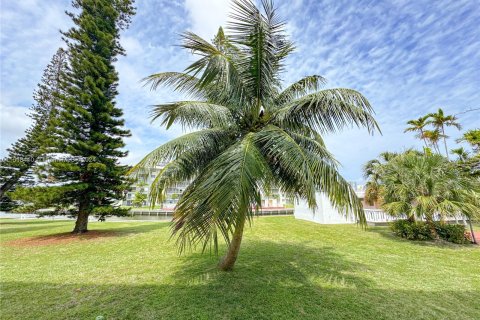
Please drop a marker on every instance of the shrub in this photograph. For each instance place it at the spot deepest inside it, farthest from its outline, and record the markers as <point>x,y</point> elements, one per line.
<point>412,230</point>
<point>419,230</point>
<point>451,232</point>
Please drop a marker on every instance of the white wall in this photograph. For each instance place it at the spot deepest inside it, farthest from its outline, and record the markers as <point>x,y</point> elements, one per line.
<point>325,213</point>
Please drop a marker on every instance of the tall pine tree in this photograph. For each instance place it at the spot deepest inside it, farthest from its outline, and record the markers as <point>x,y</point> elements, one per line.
<point>90,126</point>
<point>25,152</point>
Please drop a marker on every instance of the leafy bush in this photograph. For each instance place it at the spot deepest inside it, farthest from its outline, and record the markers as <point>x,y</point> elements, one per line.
<point>419,230</point>
<point>451,232</point>
<point>412,230</point>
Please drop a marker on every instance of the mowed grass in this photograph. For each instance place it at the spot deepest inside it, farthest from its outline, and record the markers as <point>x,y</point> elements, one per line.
<point>287,269</point>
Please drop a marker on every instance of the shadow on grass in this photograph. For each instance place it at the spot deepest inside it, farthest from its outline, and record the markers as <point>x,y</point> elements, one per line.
<point>37,225</point>
<point>15,221</point>
<point>25,226</point>
<point>272,280</point>
<point>68,237</point>
<point>140,227</point>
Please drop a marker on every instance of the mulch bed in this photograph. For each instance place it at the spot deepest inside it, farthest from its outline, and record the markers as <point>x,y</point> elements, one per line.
<point>62,238</point>
<point>477,236</point>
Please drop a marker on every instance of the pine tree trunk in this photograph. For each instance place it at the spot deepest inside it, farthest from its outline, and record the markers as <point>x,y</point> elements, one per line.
<point>228,261</point>
<point>7,186</point>
<point>81,225</point>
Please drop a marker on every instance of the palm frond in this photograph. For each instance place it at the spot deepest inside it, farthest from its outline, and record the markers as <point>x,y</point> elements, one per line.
<point>315,146</point>
<point>215,67</point>
<point>208,141</point>
<point>179,81</point>
<point>339,191</point>
<point>185,167</point>
<point>265,46</point>
<point>328,111</point>
<point>289,161</point>
<point>175,172</point>
<point>397,208</point>
<point>192,114</point>
<point>226,193</point>
<point>300,88</point>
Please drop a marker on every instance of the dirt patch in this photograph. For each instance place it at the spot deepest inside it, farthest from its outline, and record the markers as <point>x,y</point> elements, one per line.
<point>62,238</point>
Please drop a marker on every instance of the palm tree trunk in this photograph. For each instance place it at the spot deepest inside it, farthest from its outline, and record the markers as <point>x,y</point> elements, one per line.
<point>431,224</point>
<point>445,142</point>
<point>228,261</point>
<point>423,138</point>
<point>474,240</point>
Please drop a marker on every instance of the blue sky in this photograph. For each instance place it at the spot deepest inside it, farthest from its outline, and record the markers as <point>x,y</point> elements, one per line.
<point>407,57</point>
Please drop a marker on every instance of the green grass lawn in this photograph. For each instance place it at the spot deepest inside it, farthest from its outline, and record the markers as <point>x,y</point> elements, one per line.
<point>287,269</point>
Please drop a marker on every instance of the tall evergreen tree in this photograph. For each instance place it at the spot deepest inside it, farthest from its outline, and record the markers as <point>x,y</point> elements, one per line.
<point>90,127</point>
<point>25,152</point>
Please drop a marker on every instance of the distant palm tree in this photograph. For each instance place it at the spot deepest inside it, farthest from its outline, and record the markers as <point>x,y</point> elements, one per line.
<point>472,137</point>
<point>139,199</point>
<point>440,120</point>
<point>422,185</point>
<point>373,173</point>
<point>461,153</point>
<point>253,135</point>
<point>433,136</point>
<point>472,163</point>
<point>418,126</point>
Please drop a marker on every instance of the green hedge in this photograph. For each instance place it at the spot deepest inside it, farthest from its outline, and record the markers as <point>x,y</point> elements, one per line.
<point>412,230</point>
<point>451,232</point>
<point>419,230</point>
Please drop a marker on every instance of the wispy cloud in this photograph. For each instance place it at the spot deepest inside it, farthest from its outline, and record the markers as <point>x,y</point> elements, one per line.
<point>407,57</point>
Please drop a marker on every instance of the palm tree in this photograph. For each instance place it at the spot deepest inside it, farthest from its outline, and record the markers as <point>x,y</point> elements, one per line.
<point>422,185</point>
<point>418,126</point>
<point>471,164</point>
<point>433,136</point>
<point>440,120</point>
<point>373,173</point>
<point>461,153</point>
<point>139,199</point>
<point>472,137</point>
<point>251,135</point>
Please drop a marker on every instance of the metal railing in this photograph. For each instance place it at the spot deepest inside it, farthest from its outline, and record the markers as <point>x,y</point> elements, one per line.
<point>378,215</point>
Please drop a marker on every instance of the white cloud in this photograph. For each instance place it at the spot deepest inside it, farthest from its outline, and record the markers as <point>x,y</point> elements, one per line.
<point>207,16</point>
<point>13,123</point>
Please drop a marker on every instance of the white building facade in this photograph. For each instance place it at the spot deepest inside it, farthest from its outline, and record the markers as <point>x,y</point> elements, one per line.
<point>326,213</point>
<point>275,199</point>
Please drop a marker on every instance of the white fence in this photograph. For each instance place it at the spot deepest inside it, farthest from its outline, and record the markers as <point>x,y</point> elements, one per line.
<point>379,216</point>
